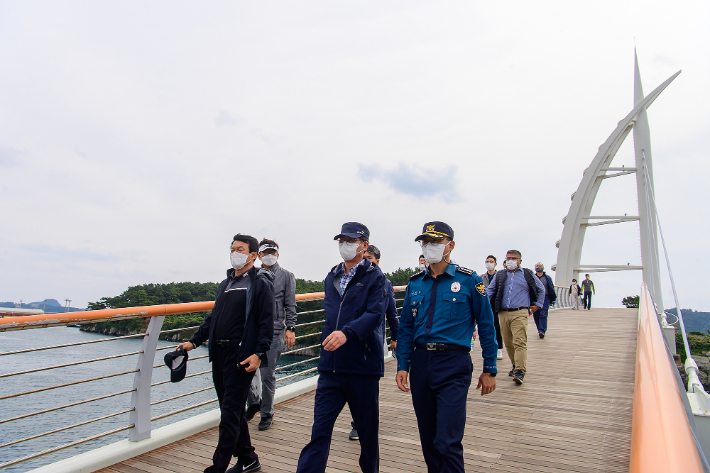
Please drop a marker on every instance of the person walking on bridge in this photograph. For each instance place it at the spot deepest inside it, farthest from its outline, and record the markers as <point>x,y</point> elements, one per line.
<point>588,290</point>
<point>491,263</point>
<point>441,308</point>
<point>515,293</point>
<point>574,292</point>
<point>352,358</point>
<point>284,330</point>
<point>540,315</point>
<point>239,329</point>
<point>373,254</point>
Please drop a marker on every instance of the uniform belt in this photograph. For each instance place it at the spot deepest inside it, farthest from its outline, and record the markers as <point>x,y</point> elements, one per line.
<point>440,347</point>
<point>513,310</point>
<point>227,343</point>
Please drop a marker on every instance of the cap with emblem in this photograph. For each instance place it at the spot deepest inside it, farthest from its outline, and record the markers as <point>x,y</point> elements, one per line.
<point>353,230</point>
<point>437,230</point>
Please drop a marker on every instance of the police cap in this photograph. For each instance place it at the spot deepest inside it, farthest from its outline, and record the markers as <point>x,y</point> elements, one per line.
<point>436,230</point>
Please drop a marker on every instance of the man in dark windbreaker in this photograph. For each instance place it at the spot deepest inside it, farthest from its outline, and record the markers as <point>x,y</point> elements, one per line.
<point>352,359</point>
<point>239,329</point>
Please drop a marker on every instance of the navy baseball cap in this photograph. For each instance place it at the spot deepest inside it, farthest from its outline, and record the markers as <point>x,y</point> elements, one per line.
<point>436,230</point>
<point>353,230</point>
<point>177,362</point>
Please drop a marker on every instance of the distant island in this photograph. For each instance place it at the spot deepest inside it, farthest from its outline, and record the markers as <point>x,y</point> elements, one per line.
<point>49,306</point>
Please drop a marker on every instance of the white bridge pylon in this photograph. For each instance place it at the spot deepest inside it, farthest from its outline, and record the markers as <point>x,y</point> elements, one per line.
<point>579,217</point>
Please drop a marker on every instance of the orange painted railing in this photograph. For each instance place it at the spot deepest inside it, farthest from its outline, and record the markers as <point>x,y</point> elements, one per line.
<point>661,436</point>
<point>70,318</point>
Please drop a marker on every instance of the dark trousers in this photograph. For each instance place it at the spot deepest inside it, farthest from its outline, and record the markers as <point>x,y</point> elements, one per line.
<point>334,390</point>
<point>439,381</point>
<point>232,386</point>
<point>499,337</point>
<point>540,316</point>
<point>587,300</point>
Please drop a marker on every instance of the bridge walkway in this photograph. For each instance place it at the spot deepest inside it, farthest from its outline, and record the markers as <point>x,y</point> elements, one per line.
<point>572,414</point>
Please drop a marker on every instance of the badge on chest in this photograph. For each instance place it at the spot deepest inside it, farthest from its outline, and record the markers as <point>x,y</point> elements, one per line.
<point>455,286</point>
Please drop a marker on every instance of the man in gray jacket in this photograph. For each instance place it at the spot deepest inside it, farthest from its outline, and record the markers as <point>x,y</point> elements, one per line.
<point>284,328</point>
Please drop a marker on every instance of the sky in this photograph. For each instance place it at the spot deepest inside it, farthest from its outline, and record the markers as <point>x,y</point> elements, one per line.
<point>137,138</point>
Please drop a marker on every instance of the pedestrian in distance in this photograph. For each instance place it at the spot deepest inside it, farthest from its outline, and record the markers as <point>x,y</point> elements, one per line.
<point>373,254</point>
<point>574,292</point>
<point>441,308</point>
<point>516,293</point>
<point>491,263</point>
<point>284,331</point>
<point>587,290</point>
<point>422,263</point>
<point>352,358</point>
<point>540,315</point>
<point>239,329</point>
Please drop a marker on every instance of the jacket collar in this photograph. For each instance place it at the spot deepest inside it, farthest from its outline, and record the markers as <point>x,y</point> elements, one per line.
<point>361,267</point>
<point>275,267</point>
<point>450,270</point>
<point>251,272</point>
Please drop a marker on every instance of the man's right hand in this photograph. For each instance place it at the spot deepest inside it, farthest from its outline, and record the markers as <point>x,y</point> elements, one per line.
<point>402,380</point>
<point>187,346</point>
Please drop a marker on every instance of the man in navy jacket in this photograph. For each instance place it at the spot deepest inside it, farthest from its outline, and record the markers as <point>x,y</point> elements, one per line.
<point>352,359</point>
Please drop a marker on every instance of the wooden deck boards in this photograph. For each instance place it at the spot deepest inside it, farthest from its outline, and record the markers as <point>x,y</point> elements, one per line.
<point>572,414</point>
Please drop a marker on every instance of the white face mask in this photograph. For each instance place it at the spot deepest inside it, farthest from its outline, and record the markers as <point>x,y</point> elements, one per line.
<point>269,260</point>
<point>348,250</point>
<point>511,264</point>
<point>490,266</point>
<point>434,252</point>
<point>422,267</point>
<point>239,260</point>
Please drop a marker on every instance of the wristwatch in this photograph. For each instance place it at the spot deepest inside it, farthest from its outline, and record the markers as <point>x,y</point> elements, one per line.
<point>291,329</point>
<point>260,355</point>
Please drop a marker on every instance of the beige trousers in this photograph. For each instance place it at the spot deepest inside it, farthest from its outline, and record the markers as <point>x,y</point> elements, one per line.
<point>514,329</point>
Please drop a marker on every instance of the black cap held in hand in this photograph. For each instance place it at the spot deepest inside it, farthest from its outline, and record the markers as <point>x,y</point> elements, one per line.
<point>177,362</point>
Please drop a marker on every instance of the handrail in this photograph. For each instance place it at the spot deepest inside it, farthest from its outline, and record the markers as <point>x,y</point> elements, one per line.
<point>661,438</point>
<point>68,318</point>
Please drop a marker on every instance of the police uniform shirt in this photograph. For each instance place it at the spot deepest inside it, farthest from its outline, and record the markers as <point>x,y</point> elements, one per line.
<point>446,309</point>
<point>229,322</point>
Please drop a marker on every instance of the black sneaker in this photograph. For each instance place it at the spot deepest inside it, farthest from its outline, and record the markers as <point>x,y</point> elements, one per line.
<point>354,435</point>
<point>542,335</point>
<point>252,465</point>
<point>252,410</point>
<point>265,423</point>
<point>518,376</point>
<point>511,373</point>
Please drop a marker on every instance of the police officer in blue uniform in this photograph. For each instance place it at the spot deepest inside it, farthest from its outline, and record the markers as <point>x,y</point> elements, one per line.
<point>442,307</point>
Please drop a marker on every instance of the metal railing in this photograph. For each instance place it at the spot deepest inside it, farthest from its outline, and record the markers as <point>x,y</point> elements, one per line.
<point>662,438</point>
<point>142,398</point>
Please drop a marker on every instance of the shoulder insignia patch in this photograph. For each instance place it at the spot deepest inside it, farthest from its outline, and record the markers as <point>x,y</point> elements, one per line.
<point>481,289</point>
<point>416,275</point>
<point>461,269</point>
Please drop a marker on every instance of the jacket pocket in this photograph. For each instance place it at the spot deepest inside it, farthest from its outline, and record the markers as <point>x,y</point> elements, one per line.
<point>415,304</point>
<point>455,304</point>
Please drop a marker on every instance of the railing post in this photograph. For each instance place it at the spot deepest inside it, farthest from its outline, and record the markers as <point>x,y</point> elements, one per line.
<point>140,398</point>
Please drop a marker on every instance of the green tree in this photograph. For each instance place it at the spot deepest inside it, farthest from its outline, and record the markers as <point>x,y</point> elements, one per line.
<point>631,302</point>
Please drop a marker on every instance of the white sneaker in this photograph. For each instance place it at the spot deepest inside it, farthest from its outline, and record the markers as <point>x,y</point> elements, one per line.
<point>500,354</point>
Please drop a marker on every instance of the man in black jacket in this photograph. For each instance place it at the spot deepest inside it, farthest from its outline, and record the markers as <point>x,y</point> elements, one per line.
<point>239,329</point>
<point>540,316</point>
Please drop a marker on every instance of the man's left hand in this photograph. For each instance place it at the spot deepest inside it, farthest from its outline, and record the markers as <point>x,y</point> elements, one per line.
<point>290,339</point>
<point>334,341</point>
<point>252,363</point>
<point>393,345</point>
<point>533,309</point>
<point>486,383</point>
<point>475,334</point>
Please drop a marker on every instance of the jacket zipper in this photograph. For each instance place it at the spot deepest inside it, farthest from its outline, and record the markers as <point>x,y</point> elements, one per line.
<point>337,321</point>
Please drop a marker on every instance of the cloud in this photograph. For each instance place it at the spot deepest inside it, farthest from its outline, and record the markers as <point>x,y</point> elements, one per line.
<point>419,182</point>
<point>9,157</point>
<point>224,118</point>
